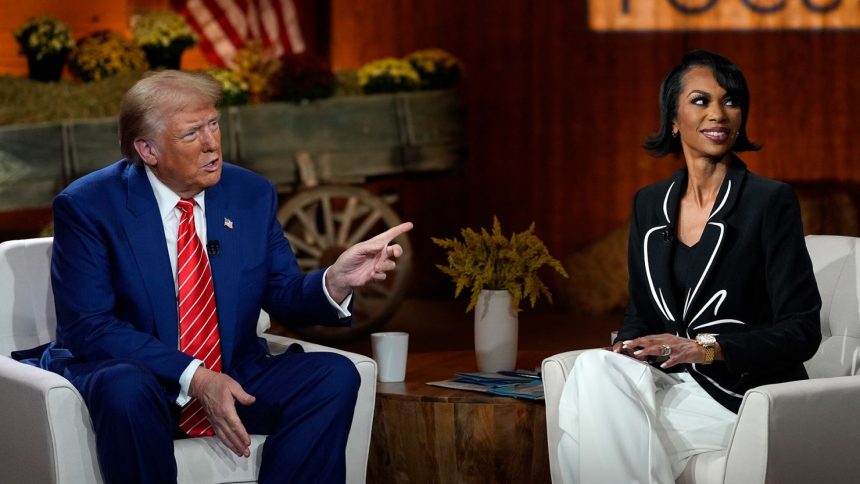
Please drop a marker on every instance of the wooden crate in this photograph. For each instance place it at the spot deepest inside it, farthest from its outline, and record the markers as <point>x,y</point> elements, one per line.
<point>343,139</point>
<point>31,165</point>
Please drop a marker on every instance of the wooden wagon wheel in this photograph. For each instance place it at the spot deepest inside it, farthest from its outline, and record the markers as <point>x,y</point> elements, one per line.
<point>323,221</point>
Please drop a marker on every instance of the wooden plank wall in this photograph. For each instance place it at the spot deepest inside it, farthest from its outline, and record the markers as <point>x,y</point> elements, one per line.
<point>557,112</point>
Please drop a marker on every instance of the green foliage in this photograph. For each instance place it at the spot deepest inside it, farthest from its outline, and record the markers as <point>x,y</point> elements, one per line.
<point>492,261</point>
<point>105,54</point>
<point>44,36</point>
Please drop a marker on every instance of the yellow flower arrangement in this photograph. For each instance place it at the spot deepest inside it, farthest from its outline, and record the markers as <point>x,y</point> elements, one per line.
<point>163,35</point>
<point>163,28</point>
<point>234,90</point>
<point>105,54</point>
<point>492,261</point>
<point>256,69</point>
<point>438,69</point>
<point>43,36</point>
<point>388,75</point>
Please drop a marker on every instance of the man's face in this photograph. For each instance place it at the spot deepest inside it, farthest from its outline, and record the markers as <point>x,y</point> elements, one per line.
<point>186,153</point>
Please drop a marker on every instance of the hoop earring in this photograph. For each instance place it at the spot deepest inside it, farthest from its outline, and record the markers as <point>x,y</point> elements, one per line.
<point>675,134</point>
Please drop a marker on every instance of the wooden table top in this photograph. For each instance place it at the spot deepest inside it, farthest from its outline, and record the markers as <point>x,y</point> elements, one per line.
<point>425,367</point>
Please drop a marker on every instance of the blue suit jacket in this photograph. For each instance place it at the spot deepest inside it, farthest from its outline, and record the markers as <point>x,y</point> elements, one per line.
<point>113,283</point>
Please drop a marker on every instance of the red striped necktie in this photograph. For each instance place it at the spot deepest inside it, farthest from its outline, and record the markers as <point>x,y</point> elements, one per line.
<point>198,322</point>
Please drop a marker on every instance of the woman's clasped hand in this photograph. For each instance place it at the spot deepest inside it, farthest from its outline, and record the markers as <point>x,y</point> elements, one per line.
<point>677,349</point>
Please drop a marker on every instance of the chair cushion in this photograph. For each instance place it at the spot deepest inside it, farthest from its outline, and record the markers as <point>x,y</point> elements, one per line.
<point>704,468</point>
<point>27,317</point>
<point>835,357</point>
<point>835,262</point>
<point>222,466</point>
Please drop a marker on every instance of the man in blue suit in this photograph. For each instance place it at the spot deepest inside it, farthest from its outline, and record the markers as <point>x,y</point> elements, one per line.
<point>114,275</point>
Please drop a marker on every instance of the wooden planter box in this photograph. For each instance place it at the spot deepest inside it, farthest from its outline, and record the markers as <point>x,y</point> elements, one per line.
<point>344,139</point>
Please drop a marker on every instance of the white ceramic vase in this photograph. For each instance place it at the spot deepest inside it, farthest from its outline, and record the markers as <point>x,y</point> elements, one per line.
<point>495,332</point>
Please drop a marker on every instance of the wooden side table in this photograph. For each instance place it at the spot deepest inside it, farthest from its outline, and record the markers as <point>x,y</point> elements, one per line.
<point>425,434</point>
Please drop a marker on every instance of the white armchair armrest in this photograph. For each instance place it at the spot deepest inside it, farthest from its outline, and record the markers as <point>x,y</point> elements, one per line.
<point>785,431</point>
<point>46,434</point>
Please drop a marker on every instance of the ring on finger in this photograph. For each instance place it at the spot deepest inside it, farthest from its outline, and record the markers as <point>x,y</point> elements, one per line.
<point>667,350</point>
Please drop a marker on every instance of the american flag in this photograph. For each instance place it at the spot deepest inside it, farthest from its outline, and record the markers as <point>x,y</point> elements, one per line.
<point>226,26</point>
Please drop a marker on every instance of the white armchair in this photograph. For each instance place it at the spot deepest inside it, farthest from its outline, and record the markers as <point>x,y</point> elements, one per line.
<point>46,435</point>
<point>796,432</point>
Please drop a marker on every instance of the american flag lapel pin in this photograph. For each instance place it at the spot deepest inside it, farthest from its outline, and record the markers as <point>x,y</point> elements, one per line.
<point>228,223</point>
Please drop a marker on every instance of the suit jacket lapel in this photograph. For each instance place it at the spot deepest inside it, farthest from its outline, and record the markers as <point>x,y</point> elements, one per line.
<point>225,266</point>
<point>713,238</point>
<point>145,232</point>
<point>658,251</point>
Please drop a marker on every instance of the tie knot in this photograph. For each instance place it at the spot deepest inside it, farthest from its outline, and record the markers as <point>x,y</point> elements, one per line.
<point>186,205</point>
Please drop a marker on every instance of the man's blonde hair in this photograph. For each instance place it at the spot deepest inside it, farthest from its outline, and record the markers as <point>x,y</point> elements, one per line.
<point>154,98</point>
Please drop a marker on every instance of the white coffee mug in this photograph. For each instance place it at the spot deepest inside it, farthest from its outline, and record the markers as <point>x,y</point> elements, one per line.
<point>389,352</point>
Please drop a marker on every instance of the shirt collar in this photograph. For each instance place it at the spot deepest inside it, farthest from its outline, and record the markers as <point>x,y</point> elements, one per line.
<point>167,198</point>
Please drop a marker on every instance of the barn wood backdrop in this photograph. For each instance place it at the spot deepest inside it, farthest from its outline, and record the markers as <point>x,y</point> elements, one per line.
<point>556,112</point>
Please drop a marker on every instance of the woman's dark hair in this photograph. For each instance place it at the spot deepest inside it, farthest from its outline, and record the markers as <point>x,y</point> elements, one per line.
<point>730,78</point>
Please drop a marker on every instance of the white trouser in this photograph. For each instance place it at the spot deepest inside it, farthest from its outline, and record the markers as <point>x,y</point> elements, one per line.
<point>624,421</point>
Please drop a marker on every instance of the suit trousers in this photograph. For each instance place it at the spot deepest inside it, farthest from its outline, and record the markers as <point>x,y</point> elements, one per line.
<point>304,403</point>
<point>623,421</point>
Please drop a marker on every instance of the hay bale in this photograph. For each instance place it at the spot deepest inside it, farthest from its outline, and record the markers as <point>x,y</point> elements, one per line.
<point>598,274</point>
<point>829,208</point>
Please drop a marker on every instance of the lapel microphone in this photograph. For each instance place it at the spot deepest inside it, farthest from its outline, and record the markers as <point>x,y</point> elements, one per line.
<point>213,247</point>
<point>668,234</point>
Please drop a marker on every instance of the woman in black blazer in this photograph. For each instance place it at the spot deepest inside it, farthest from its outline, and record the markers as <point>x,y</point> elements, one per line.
<point>722,294</point>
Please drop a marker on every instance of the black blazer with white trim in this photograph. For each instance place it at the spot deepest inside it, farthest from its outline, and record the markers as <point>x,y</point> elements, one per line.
<point>750,282</point>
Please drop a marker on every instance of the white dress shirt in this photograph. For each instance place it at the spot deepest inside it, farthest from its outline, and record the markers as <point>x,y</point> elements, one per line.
<point>170,216</point>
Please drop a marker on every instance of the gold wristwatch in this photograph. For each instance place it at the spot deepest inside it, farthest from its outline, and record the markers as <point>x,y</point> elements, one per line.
<point>707,341</point>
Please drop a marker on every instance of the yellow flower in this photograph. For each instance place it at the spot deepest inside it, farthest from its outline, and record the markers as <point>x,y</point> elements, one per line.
<point>438,69</point>
<point>43,35</point>
<point>105,54</point>
<point>388,75</point>
<point>255,68</point>
<point>163,28</point>
<point>233,88</point>
<point>492,261</point>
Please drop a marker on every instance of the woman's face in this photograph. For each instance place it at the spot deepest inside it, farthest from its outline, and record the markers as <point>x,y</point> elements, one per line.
<point>708,117</point>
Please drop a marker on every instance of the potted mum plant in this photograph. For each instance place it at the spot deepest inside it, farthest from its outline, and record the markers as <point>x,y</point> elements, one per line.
<point>256,67</point>
<point>388,75</point>
<point>105,54</point>
<point>46,41</point>
<point>163,35</point>
<point>302,77</point>
<point>437,68</point>
<point>234,90</point>
<point>500,272</point>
